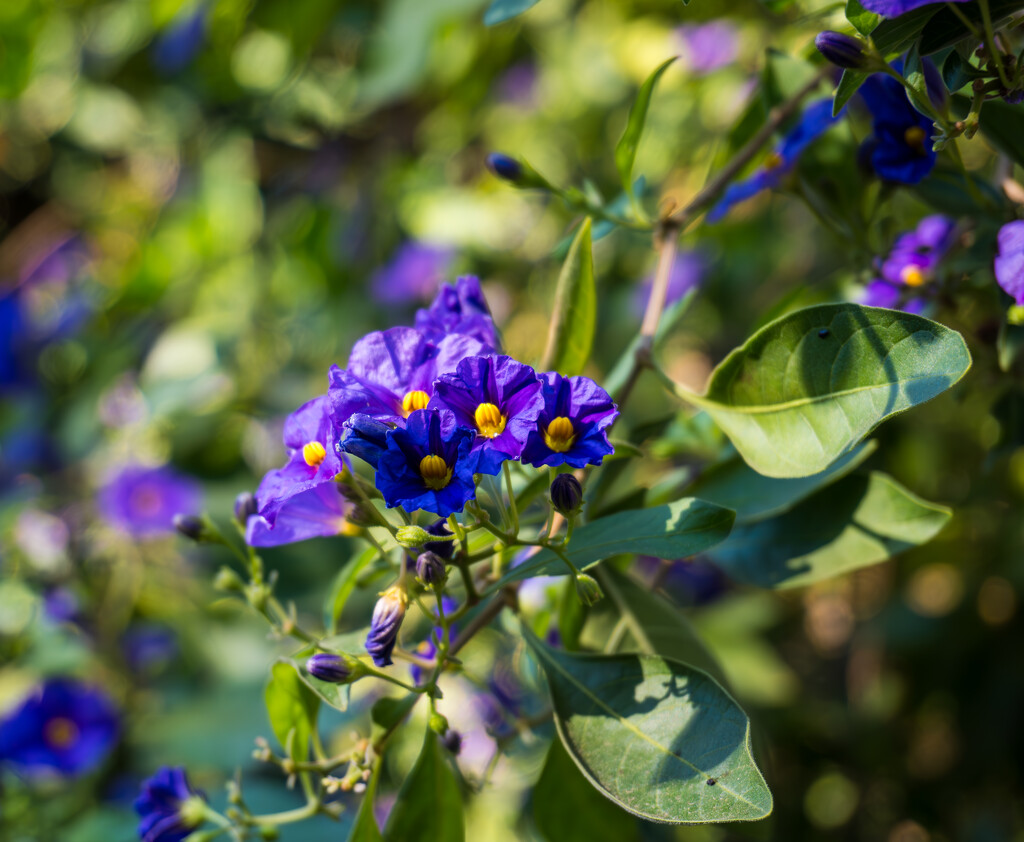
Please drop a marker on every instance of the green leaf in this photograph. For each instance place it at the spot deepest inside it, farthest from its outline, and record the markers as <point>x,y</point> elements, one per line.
<point>429,805</point>
<point>566,808</point>
<point>860,18</point>
<point>677,530</point>
<point>945,28</point>
<point>502,10</point>
<point>572,615</point>
<point>661,739</point>
<point>625,149</point>
<point>388,712</point>
<point>849,83</point>
<point>336,695</point>
<point>948,190</point>
<point>807,388</point>
<point>656,626</point>
<point>575,313</point>
<point>893,36</point>
<point>753,496</point>
<point>292,708</point>
<point>343,585</point>
<point>913,73</point>
<point>956,71</point>
<point>365,829</point>
<point>859,521</point>
<point>1003,125</point>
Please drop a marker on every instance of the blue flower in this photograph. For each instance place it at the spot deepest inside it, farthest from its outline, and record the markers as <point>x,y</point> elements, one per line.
<point>460,309</point>
<point>900,149</point>
<point>816,120</point>
<point>428,465</point>
<point>179,43</point>
<point>65,727</point>
<point>143,501</point>
<point>366,437</point>
<point>387,618</point>
<point>499,399</point>
<point>912,264</point>
<point>169,808</point>
<point>895,8</point>
<point>1009,263</point>
<point>571,428</point>
<point>413,274</point>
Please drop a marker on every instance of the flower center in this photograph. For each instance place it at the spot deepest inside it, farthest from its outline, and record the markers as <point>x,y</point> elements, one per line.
<point>559,435</point>
<point>772,161</point>
<point>147,500</point>
<point>416,399</point>
<point>912,276</point>
<point>489,420</point>
<point>314,453</point>
<point>435,472</point>
<point>915,137</point>
<point>61,732</point>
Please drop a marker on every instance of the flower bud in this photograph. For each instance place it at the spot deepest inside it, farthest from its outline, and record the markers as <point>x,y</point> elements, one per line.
<point>452,740</point>
<point>566,494</point>
<point>445,549</point>
<point>505,167</point>
<point>430,569</point>
<point>336,669</point>
<point>191,526</point>
<point>438,724</point>
<point>842,50</point>
<point>365,437</point>
<point>588,590</point>
<point>412,537</point>
<point>245,507</point>
<point>387,618</point>
<point>228,580</point>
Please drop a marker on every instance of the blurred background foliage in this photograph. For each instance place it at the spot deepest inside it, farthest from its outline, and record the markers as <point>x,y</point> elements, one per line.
<point>203,204</point>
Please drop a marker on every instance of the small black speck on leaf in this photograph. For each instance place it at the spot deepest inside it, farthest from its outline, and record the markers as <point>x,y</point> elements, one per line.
<point>823,333</point>
<point>710,781</point>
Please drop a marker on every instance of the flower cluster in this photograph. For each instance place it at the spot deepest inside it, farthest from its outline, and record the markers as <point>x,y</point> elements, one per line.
<point>911,265</point>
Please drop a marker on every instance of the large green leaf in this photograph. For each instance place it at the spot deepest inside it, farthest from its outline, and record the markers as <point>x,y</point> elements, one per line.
<point>429,805</point>
<point>677,530</point>
<point>502,10</point>
<point>292,707</point>
<point>575,313</point>
<point>1003,125</point>
<point>753,496</point>
<point>661,739</point>
<point>947,27</point>
<point>862,20</point>
<point>566,808</point>
<point>625,149</point>
<point>807,388</point>
<point>365,829</point>
<point>859,521</point>
<point>893,36</point>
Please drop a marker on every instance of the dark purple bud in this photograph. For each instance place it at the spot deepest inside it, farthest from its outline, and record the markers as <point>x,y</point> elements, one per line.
<point>430,569</point>
<point>245,507</point>
<point>452,740</point>
<point>365,437</point>
<point>387,618</point>
<point>505,167</point>
<point>566,494</point>
<point>190,526</point>
<point>328,667</point>
<point>445,549</point>
<point>842,50</point>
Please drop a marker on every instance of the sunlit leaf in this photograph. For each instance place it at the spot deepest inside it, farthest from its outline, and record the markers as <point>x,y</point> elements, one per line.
<point>429,805</point>
<point>575,312</point>
<point>365,827</point>
<point>860,18</point>
<point>292,708</point>
<point>625,149</point>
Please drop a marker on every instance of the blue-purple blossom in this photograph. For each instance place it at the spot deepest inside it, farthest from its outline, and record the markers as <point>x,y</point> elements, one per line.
<point>686,273</point>
<point>911,265</point>
<point>499,399</point>
<point>329,667</point>
<point>318,512</point>
<point>176,46</point>
<point>1009,262</point>
<point>570,429</point>
<point>143,501</point>
<point>387,618</point>
<point>445,549</point>
<point>366,437</point>
<point>708,46</point>
<point>518,84</point>
<point>65,727</point>
<point>391,373</point>
<point>428,465</point>
<point>413,274</point>
<point>895,8</point>
<point>815,121</point>
<point>149,648</point>
<point>460,308</point>
<point>169,808</point>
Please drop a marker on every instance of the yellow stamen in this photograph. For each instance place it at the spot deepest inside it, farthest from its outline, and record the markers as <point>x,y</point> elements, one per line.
<point>489,420</point>
<point>416,399</point>
<point>61,732</point>
<point>435,472</point>
<point>772,161</point>
<point>912,276</point>
<point>560,434</point>
<point>915,137</point>
<point>314,453</point>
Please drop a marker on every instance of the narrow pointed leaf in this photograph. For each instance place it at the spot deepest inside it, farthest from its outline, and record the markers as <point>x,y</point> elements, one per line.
<point>661,739</point>
<point>575,313</point>
<point>365,827</point>
<point>625,149</point>
<point>335,695</point>
<point>292,708</point>
<point>429,805</point>
<point>849,83</point>
<point>343,585</point>
<point>807,388</point>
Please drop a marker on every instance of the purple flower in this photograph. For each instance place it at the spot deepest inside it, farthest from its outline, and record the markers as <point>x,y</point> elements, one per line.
<point>169,808</point>
<point>65,727</point>
<point>391,373</point>
<point>413,274</point>
<point>365,437</point>
<point>428,465</point>
<point>318,512</point>
<point>816,120</point>
<point>687,273</point>
<point>178,44</point>
<point>895,8</point>
<point>911,264</point>
<point>387,618</point>
<point>143,501</point>
<point>459,309</point>
<point>518,84</point>
<point>571,428</point>
<point>309,436</point>
<point>149,648</point>
<point>497,398</point>
<point>1009,263</point>
<point>61,605</point>
<point>708,46</point>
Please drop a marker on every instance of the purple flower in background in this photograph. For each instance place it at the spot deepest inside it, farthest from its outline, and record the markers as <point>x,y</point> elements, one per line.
<point>149,648</point>
<point>143,501</point>
<point>895,8</point>
<point>499,399</point>
<point>1009,263</point>
<point>65,728</point>
<point>176,46</point>
<point>61,605</point>
<point>391,373</point>
<point>815,121</point>
<point>911,264</point>
<point>459,308</point>
<point>691,581</point>
<point>687,273</point>
<point>169,808</point>
<point>518,84</point>
<point>571,428</point>
<point>318,512</point>
<point>414,273</point>
<point>708,46</point>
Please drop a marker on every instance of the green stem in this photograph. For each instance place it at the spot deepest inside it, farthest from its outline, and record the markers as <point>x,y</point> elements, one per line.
<point>990,42</point>
<point>513,510</point>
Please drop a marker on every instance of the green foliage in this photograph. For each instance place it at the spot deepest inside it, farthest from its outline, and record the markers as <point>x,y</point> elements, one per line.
<point>625,149</point>
<point>365,827</point>
<point>574,317</point>
<point>292,707</point>
<point>502,10</point>
<point>429,804</point>
<point>861,19</point>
